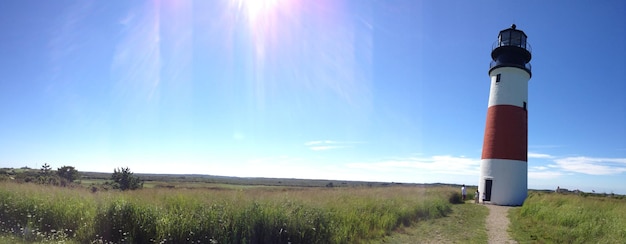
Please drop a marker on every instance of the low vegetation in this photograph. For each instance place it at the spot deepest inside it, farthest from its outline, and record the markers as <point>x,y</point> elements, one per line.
<point>67,176</point>
<point>124,179</point>
<point>465,224</point>
<point>209,209</point>
<point>31,212</point>
<point>569,218</point>
<point>64,176</point>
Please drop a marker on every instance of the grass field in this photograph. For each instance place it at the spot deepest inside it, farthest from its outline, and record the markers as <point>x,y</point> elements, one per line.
<point>202,210</point>
<point>30,212</point>
<point>465,224</point>
<point>569,218</point>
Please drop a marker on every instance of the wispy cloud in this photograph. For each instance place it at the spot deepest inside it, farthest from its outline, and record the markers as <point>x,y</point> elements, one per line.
<point>65,49</point>
<point>592,166</point>
<point>323,148</point>
<point>436,164</point>
<point>64,44</point>
<point>323,145</point>
<point>544,172</point>
<point>312,143</point>
<point>544,146</point>
<point>539,155</point>
<point>569,165</point>
<point>137,60</point>
<point>458,165</point>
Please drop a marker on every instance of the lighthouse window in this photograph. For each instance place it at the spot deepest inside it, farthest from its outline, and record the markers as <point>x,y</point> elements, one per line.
<point>498,78</point>
<point>524,106</point>
<point>516,38</point>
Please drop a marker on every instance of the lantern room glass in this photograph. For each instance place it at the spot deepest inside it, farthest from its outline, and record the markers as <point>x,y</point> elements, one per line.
<point>512,37</point>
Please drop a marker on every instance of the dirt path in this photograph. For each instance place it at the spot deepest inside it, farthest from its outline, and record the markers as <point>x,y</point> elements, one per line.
<point>466,224</point>
<point>497,224</point>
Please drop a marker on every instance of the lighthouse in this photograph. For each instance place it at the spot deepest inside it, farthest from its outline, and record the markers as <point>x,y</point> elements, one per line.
<point>504,165</point>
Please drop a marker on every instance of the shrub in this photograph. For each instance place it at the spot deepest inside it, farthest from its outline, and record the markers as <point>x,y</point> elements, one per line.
<point>68,173</point>
<point>125,180</point>
<point>455,198</point>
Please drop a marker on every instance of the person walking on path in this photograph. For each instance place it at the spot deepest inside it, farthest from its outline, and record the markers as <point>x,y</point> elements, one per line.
<point>464,192</point>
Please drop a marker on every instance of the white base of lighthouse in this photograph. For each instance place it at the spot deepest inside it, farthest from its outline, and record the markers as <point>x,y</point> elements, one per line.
<point>503,181</point>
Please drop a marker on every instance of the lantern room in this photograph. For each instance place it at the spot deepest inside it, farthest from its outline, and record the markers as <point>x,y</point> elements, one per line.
<point>511,50</point>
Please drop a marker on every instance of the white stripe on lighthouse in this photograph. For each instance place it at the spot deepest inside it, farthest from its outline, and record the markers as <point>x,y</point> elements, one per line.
<point>510,181</point>
<point>512,88</point>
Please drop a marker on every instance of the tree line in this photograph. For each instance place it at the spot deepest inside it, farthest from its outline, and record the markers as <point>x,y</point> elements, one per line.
<point>68,176</point>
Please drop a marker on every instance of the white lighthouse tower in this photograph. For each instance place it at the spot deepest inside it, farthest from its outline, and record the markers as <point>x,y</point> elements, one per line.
<point>504,166</point>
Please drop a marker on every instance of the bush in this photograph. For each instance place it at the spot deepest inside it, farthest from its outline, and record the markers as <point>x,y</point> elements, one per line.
<point>68,173</point>
<point>125,180</point>
<point>455,198</point>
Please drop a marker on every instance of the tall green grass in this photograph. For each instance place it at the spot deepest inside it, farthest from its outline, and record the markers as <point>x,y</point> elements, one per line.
<point>255,215</point>
<point>559,218</point>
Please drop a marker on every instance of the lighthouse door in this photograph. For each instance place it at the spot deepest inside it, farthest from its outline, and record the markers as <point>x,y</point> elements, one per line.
<point>488,184</point>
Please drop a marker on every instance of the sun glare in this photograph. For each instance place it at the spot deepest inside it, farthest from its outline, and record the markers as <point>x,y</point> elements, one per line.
<point>266,20</point>
<point>296,44</point>
<point>256,8</point>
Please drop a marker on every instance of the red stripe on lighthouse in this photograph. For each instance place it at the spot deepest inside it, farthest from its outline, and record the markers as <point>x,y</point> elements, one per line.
<point>506,133</point>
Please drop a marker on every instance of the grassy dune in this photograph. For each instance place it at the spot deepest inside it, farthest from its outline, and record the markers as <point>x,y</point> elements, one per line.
<point>224,215</point>
<point>559,218</point>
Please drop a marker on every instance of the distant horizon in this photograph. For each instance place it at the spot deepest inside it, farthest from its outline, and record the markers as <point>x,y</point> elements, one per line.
<point>321,179</point>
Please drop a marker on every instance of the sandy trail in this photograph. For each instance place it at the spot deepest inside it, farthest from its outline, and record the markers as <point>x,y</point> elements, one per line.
<point>497,224</point>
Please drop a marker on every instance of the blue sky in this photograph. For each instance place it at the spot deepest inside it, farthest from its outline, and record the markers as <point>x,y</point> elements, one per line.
<point>352,90</point>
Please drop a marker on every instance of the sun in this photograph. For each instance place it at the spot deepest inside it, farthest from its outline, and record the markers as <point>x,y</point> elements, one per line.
<point>256,9</point>
<point>265,21</point>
